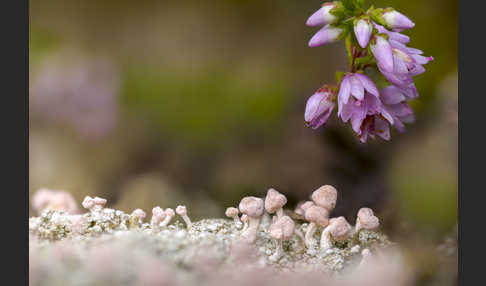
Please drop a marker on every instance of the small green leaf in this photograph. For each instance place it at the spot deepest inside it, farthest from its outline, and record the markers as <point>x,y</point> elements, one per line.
<point>361,3</point>
<point>376,15</point>
<point>339,11</point>
<point>349,5</point>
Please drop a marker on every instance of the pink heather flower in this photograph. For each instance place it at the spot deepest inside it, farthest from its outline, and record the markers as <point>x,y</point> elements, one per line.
<point>395,102</point>
<point>407,62</point>
<point>383,53</point>
<point>396,20</point>
<point>410,58</point>
<point>326,35</point>
<point>322,16</point>
<point>362,30</point>
<point>319,108</point>
<point>355,84</point>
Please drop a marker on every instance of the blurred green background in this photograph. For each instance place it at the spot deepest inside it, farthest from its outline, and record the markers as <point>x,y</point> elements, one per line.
<point>201,102</point>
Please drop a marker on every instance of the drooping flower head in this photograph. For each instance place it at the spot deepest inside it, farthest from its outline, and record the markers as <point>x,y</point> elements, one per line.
<point>319,107</point>
<point>359,99</point>
<point>407,62</point>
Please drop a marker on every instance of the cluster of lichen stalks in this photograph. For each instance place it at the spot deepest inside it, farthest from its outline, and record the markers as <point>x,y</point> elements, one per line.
<point>265,235</point>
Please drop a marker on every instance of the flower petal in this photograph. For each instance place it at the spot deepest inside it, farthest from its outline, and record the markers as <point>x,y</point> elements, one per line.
<point>382,51</point>
<point>400,110</point>
<point>322,118</point>
<point>387,114</point>
<point>357,89</point>
<point>357,117</point>
<point>344,93</point>
<point>382,128</point>
<point>347,110</point>
<point>398,125</point>
<point>421,59</point>
<point>392,95</point>
<point>408,119</point>
<point>368,84</point>
<point>312,106</point>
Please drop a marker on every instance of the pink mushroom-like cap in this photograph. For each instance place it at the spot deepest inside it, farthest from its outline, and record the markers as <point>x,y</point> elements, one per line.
<point>251,206</point>
<point>158,215</point>
<point>298,209</point>
<point>139,213</point>
<point>88,202</point>
<point>169,212</point>
<point>367,219</point>
<point>340,229</point>
<point>302,207</point>
<point>274,201</point>
<point>158,211</point>
<point>282,229</point>
<point>99,201</point>
<point>231,212</point>
<point>181,210</point>
<point>363,212</point>
<point>325,196</point>
<point>307,205</point>
<point>317,215</point>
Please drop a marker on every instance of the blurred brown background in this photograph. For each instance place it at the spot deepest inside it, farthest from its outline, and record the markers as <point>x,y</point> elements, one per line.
<point>201,102</point>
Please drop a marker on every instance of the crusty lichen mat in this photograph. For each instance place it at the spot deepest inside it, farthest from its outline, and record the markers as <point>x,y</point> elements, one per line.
<point>258,242</point>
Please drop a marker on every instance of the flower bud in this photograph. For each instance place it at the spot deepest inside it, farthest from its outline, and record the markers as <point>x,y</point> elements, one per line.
<point>362,30</point>
<point>396,20</point>
<point>319,108</point>
<point>326,35</point>
<point>323,16</point>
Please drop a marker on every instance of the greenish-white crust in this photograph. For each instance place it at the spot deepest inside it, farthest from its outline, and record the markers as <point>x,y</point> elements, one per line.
<point>210,238</point>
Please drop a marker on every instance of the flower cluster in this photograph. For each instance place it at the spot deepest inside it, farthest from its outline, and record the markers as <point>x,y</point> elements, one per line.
<point>373,41</point>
